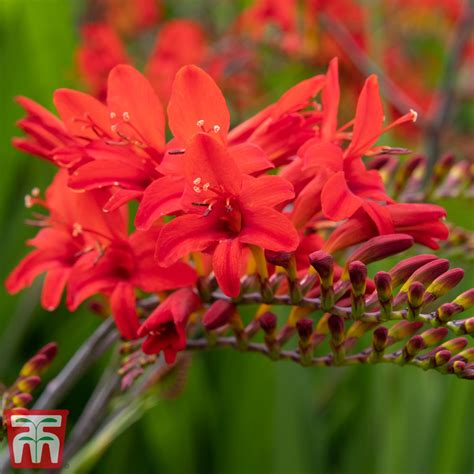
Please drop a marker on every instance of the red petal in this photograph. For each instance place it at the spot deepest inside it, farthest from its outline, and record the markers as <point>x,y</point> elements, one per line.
<point>266,191</point>
<point>308,202</point>
<point>330,101</point>
<point>124,310</point>
<point>138,111</point>
<point>368,119</point>
<point>208,161</point>
<point>250,158</point>
<point>268,229</point>
<point>100,173</point>
<point>81,112</point>
<point>298,97</point>
<point>29,268</point>
<point>324,155</point>
<point>226,266</point>
<point>380,216</point>
<point>53,287</point>
<point>338,202</point>
<point>121,197</point>
<point>185,234</point>
<point>195,97</point>
<point>162,197</point>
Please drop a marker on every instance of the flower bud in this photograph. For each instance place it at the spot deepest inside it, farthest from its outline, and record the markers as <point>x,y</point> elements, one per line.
<point>458,367</point>
<point>467,355</point>
<point>405,172</point>
<point>413,347</point>
<point>380,339</point>
<point>441,169</point>
<point>336,327</point>
<point>465,300</point>
<point>22,399</point>
<point>28,384</point>
<point>381,247</point>
<point>444,283</point>
<point>323,263</point>
<point>383,285</point>
<point>468,326</point>
<point>416,292</point>
<point>455,345</point>
<point>404,329</point>
<point>441,357</point>
<point>427,273</point>
<point>219,314</point>
<point>405,268</point>
<point>35,365</point>
<point>445,312</point>
<point>304,326</point>
<point>358,277</point>
<point>434,336</point>
<point>281,259</point>
<point>49,350</point>
<point>468,374</point>
<point>268,323</point>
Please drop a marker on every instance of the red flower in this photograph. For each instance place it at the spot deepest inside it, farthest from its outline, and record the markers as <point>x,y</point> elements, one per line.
<point>126,265</point>
<point>341,184</point>
<point>226,210</point>
<point>76,225</point>
<point>165,328</point>
<point>179,42</point>
<point>100,50</point>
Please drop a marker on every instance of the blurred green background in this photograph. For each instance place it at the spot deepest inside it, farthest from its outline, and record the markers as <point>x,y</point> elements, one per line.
<point>238,413</point>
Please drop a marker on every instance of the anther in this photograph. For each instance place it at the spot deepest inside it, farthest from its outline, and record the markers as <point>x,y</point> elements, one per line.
<point>76,229</point>
<point>28,201</point>
<point>126,116</point>
<point>197,189</point>
<point>206,186</point>
<point>216,128</point>
<point>113,128</point>
<point>113,115</point>
<point>197,181</point>
<point>35,192</point>
<point>415,114</point>
<point>200,123</point>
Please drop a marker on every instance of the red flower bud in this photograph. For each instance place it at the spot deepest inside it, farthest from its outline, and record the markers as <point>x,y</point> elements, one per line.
<point>336,326</point>
<point>219,314</point>
<point>403,329</point>
<point>28,384</point>
<point>49,350</point>
<point>323,263</point>
<point>416,292</point>
<point>455,345</point>
<point>414,346</point>
<point>282,259</point>
<point>446,311</point>
<point>358,277</point>
<point>444,283</point>
<point>381,247</point>
<point>268,322</point>
<point>22,399</point>
<point>383,285</point>
<point>304,326</point>
<point>405,268</point>
<point>427,273</point>
<point>35,365</point>
<point>465,300</point>
<point>380,339</point>
<point>434,336</point>
<point>442,357</point>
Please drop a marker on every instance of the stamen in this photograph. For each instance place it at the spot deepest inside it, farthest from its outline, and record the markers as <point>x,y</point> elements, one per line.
<point>126,116</point>
<point>76,229</point>
<point>113,115</point>
<point>197,181</point>
<point>206,186</point>
<point>176,152</point>
<point>415,114</point>
<point>35,192</point>
<point>196,189</point>
<point>216,128</point>
<point>113,128</point>
<point>28,201</point>
<point>200,123</point>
